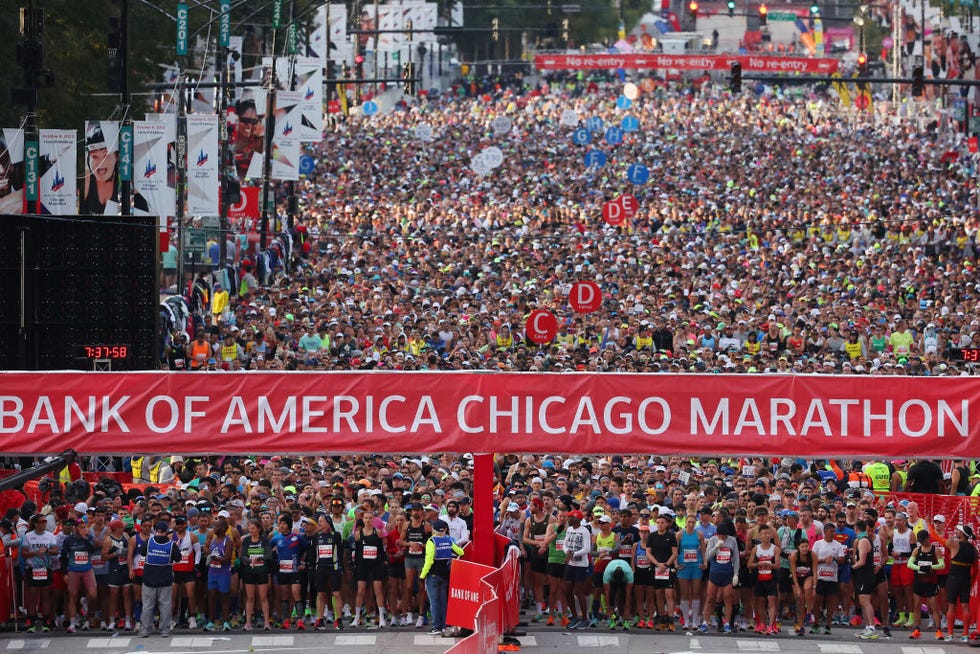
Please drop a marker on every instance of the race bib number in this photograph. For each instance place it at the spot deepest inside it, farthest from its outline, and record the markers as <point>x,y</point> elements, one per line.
<point>625,552</point>
<point>560,545</point>
<point>256,560</point>
<point>97,560</point>
<point>80,558</point>
<point>876,558</point>
<point>185,557</point>
<point>724,556</point>
<point>691,556</point>
<point>661,574</point>
<point>802,571</point>
<point>643,563</point>
<point>287,567</point>
<point>825,574</point>
<point>39,574</point>
<point>415,548</point>
<point>325,551</point>
<point>748,471</point>
<point>765,575</point>
<point>370,552</point>
<point>139,562</point>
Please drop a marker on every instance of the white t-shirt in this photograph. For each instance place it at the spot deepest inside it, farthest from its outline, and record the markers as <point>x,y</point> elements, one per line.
<point>822,549</point>
<point>35,542</point>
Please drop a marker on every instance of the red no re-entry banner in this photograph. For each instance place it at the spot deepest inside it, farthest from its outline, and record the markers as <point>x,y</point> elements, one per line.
<point>319,412</point>
<point>750,63</point>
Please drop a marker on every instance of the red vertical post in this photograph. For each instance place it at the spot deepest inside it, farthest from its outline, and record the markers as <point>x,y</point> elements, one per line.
<point>483,484</point>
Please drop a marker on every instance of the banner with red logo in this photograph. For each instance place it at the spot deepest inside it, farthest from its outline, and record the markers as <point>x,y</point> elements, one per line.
<point>298,412</point>
<point>248,203</point>
<point>467,592</point>
<point>750,63</point>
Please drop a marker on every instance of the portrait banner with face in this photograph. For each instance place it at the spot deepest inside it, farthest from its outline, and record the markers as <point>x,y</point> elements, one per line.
<point>248,134</point>
<point>203,157</point>
<point>285,141</point>
<point>12,171</point>
<point>58,151</point>
<point>154,166</point>
<point>100,182</point>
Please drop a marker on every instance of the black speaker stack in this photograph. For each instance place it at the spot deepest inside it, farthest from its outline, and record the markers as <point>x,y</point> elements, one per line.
<point>78,293</point>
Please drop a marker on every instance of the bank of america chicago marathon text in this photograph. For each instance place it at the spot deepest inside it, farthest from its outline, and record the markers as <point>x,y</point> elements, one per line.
<point>485,414</point>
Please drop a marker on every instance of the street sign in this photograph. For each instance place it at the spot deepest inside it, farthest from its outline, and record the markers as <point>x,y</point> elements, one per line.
<point>224,24</point>
<point>126,153</point>
<point>622,102</point>
<point>630,124</point>
<point>594,124</point>
<point>595,159</point>
<point>306,164</point>
<point>291,39</point>
<point>581,136</point>
<point>369,108</point>
<point>614,135</point>
<point>638,174</point>
<point>182,29</point>
<point>195,244</point>
<point>787,16</point>
<point>30,169</point>
<point>276,14</point>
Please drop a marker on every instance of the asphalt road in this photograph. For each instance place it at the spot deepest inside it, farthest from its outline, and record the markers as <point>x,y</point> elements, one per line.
<point>842,641</point>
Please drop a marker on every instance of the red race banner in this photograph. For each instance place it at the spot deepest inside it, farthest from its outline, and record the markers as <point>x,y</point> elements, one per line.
<point>750,63</point>
<point>467,592</point>
<point>248,204</point>
<point>316,412</point>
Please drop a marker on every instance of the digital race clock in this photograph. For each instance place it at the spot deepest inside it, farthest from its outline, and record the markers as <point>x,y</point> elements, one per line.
<point>103,351</point>
<point>971,354</point>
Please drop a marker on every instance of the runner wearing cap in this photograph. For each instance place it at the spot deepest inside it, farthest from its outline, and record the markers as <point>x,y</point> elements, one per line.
<point>925,561</point>
<point>533,539</point>
<point>963,560</point>
<point>329,550</point>
<point>114,551</point>
<point>288,547</point>
<point>256,555</point>
<point>578,545</point>
<point>219,550</point>
<point>413,534</point>
<point>184,570</point>
<point>829,554</point>
<point>76,560</point>
<point>37,547</point>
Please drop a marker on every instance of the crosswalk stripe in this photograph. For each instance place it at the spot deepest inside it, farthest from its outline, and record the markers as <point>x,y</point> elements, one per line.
<point>191,641</point>
<point>923,650</point>
<point>757,645</point>
<point>598,641</point>
<point>106,643</point>
<point>272,641</point>
<point>356,640</point>
<point>695,644</point>
<point>528,641</point>
<point>838,648</point>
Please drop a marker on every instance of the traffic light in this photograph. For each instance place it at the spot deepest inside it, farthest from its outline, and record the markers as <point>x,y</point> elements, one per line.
<point>918,82</point>
<point>763,14</point>
<point>495,29</point>
<point>564,30</point>
<point>862,63</point>
<point>408,79</point>
<point>731,8</point>
<point>736,84</point>
<point>692,8</point>
<point>814,9</point>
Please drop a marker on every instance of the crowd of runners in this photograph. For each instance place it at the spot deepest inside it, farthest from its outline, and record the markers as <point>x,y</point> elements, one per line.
<point>631,542</point>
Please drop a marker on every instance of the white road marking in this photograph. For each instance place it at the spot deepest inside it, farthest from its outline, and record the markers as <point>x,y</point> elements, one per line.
<point>105,643</point>
<point>356,640</point>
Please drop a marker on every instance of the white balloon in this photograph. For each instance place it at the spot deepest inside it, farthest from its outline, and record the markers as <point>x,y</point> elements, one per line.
<point>631,91</point>
<point>423,132</point>
<point>569,118</point>
<point>493,156</point>
<point>501,125</point>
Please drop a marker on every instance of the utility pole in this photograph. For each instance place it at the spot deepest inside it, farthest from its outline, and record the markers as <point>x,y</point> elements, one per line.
<point>292,203</point>
<point>268,200</point>
<point>31,56</point>
<point>181,163</point>
<point>126,128</point>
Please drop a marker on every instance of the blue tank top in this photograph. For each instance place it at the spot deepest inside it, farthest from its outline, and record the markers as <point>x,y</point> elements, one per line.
<point>218,549</point>
<point>690,549</point>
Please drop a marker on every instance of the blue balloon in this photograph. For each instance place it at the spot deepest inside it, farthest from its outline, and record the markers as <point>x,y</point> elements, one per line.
<point>638,174</point>
<point>614,136</point>
<point>630,124</point>
<point>594,124</point>
<point>581,136</point>
<point>595,158</point>
<point>369,108</point>
<point>623,102</point>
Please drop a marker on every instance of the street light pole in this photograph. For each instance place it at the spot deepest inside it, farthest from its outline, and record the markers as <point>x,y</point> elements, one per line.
<point>268,201</point>
<point>125,185</point>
